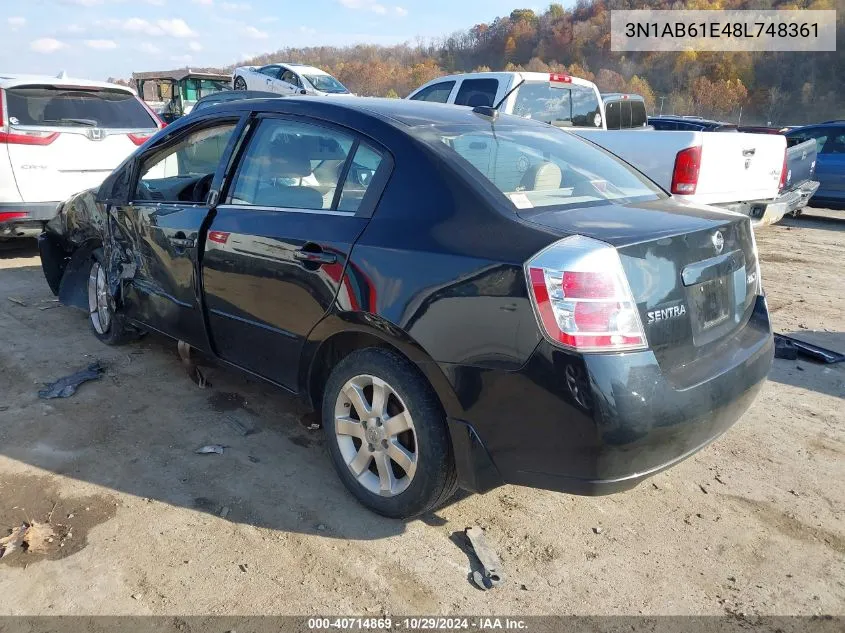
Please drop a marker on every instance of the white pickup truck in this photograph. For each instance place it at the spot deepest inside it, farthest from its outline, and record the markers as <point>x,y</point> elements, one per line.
<point>737,171</point>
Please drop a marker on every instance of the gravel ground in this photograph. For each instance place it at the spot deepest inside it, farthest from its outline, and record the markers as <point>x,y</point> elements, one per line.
<point>141,524</point>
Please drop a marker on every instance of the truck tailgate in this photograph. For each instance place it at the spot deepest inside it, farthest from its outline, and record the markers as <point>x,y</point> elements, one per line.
<point>735,167</point>
<point>800,163</point>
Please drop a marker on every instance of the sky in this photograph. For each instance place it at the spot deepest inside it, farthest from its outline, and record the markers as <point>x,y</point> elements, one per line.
<point>97,39</point>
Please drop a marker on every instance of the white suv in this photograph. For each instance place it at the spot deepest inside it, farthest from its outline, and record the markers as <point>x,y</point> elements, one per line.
<point>59,136</point>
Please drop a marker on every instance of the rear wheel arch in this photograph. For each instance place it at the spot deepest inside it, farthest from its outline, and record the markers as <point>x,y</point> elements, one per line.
<point>337,336</point>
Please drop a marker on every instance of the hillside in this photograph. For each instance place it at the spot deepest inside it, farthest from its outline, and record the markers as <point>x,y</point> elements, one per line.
<point>785,88</point>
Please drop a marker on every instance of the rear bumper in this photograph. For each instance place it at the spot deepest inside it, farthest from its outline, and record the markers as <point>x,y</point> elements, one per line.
<point>31,225</point>
<point>601,423</point>
<point>764,212</point>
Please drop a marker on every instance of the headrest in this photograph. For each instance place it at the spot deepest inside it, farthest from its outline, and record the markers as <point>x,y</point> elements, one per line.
<point>544,176</point>
<point>288,158</point>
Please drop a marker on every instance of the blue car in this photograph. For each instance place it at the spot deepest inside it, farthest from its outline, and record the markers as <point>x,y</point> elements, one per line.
<point>830,164</point>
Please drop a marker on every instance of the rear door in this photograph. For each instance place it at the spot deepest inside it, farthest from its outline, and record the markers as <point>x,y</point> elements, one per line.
<point>64,139</point>
<point>830,169</point>
<point>276,250</point>
<point>160,227</point>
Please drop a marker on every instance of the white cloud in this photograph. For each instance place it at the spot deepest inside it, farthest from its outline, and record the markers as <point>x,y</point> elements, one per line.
<point>205,2</point>
<point>149,49</point>
<point>46,45</point>
<point>15,23</point>
<point>155,3</point>
<point>195,46</point>
<point>101,45</point>
<point>236,6</point>
<point>177,27</point>
<point>373,6</point>
<point>74,28</point>
<point>83,3</point>
<point>251,31</point>
<point>307,30</point>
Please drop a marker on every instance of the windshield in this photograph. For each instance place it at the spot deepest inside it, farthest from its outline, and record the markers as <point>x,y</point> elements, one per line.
<point>91,107</point>
<point>541,167</point>
<point>326,83</point>
<point>569,106</point>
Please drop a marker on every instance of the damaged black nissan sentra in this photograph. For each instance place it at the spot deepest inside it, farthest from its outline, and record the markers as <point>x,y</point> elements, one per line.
<point>469,299</point>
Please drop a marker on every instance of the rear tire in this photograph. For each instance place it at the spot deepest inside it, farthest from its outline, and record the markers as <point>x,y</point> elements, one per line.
<point>108,325</point>
<point>387,434</point>
<point>240,84</point>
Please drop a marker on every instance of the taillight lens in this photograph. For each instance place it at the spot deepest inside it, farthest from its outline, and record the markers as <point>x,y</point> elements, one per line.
<point>6,216</point>
<point>582,298</point>
<point>783,173</point>
<point>685,174</point>
<point>139,138</point>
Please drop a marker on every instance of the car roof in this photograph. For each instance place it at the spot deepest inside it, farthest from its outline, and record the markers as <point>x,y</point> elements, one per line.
<point>401,113</point>
<point>505,75</point>
<point>626,96</point>
<point>300,67</point>
<point>236,95</point>
<point>12,80</point>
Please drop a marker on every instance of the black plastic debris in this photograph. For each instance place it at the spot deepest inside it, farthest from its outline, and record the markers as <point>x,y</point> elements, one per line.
<point>67,386</point>
<point>790,348</point>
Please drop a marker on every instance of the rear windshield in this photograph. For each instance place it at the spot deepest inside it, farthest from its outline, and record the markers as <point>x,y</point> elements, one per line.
<point>537,167</point>
<point>570,106</point>
<point>55,106</point>
<point>624,115</point>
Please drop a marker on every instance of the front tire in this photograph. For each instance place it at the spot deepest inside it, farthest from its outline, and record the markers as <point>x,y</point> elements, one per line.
<point>108,326</point>
<point>240,84</point>
<point>387,435</point>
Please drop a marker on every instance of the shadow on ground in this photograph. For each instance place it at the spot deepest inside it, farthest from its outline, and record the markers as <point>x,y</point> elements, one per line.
<point>811,375</point>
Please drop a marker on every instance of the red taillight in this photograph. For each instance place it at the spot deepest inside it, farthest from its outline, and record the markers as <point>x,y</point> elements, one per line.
<point>220,237</point>
<point>582,297</point>
<point>560,78</point>
<point>27,138</point>
<point>685,174</point>
<point>784,172</point>
<point>140,138</point>
<point>6,216</point>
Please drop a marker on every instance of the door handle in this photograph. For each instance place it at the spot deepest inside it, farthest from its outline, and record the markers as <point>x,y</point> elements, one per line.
<point>180,241</point>
<point>314,257</point>
<point>749,152</point>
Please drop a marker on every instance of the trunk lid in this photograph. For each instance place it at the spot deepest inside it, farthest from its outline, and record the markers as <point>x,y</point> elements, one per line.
<point>692,270</point>
<point>81,135</point>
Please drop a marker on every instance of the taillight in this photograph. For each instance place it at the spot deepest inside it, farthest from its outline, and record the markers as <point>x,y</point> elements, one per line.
<point>582,298</point>
<point>562,78</point>
<point>685,174</point>
<point>19,137</point>
<point>139,138</point>
<point>784,172</point>
<point>6,216</point>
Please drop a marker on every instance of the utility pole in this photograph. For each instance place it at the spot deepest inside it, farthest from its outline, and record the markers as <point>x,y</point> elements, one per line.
<point>661,105</point>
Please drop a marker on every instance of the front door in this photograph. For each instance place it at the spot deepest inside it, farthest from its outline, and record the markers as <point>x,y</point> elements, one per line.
<point>830,166</point>
<point>277,248</point>
<point>159,229</point>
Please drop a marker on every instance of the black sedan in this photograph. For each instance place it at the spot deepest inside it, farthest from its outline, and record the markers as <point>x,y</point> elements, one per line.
<point>469,299</point>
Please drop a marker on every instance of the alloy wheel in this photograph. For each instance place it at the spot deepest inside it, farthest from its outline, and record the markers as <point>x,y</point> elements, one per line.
<point>98,299</point>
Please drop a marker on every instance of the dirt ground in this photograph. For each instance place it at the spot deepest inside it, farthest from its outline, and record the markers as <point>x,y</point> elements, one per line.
<point>141,524</point>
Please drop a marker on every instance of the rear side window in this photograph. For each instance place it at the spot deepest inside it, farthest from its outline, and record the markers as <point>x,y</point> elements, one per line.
<point>294,165</point>
<point>438,93</point>
<point>55,106</point>
<point>477,92</point>
<point>613,115</point>
<point>833,143</point>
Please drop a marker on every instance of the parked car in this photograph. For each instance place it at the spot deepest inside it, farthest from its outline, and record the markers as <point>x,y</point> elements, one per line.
<point>739,172</point>
<point>689,123</point>
<point>231,95</point>
<point>288,79</point>
<point>60,135</point>
<point>173,93</point>
<point>468,299</point>
<point>830,163</point>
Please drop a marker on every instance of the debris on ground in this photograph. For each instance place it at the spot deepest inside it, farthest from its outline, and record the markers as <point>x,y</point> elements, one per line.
<point>311,421</point>
<point>597,530</point>
<point>790,348</point>
<point>225,511</point>
<point>31,537</point>
<point>209,449</point>
<point>241,423</point>
<point>491,576</point>
<point>194,372</point>
<point>17,301</point>
<point>67,386</point>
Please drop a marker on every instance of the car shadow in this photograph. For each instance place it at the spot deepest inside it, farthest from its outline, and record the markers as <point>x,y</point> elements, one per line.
<point>807,374</point>
<point>811,218</point>
<point>137,429</point>
<point>18,248</point>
